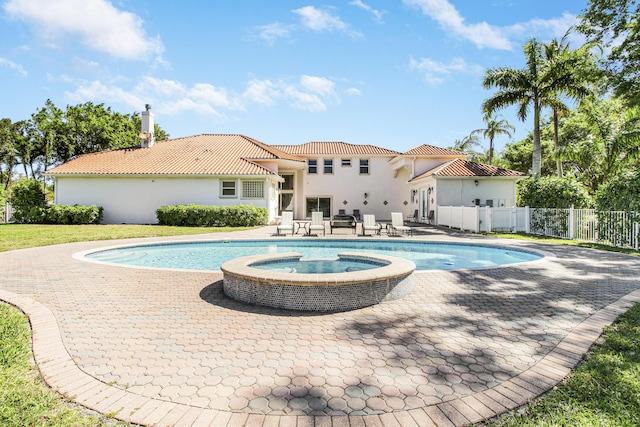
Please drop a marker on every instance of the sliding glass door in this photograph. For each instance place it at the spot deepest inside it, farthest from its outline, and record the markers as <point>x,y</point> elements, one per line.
<point>322,204</point>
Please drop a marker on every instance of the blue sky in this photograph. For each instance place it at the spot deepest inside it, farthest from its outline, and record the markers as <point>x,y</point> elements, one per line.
<point>392,73</point>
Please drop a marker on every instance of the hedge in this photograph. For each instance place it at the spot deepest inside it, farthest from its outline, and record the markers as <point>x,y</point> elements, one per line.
<point>68,214</point>
<point>212,216</point>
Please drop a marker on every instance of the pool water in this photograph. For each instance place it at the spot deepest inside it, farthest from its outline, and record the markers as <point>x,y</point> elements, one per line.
<point>211,255</point>
<point>316,266</point>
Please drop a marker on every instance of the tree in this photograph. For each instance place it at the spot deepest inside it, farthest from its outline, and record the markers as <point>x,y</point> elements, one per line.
<point>604,140</point>
<point>616,24</point>
<point>7,155</point>
<point>495,127</point>
<point>517,155</point>
<point>28,201</point>
<point>466,144</point>
<point>540,84</point>
<point>577,74</point>
<point>553,192</point>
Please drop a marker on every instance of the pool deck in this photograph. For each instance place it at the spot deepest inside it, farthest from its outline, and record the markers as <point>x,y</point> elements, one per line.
<point>167,348</point>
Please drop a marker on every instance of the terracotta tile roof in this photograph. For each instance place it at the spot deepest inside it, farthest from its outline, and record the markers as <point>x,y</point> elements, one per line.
<point>194,155</point>
<point>462,168</point>
<point>430,150</point>
<point>335,148</point>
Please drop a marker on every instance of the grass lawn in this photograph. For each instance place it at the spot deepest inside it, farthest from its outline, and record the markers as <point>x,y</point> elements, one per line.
<point>604,391</point>
<point>20,236</point>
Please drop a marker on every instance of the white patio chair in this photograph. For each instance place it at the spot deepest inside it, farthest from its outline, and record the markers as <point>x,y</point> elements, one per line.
<point>317,223</point>
<point>286,223</point>
<point>397,226</point>
<point>369,224</point>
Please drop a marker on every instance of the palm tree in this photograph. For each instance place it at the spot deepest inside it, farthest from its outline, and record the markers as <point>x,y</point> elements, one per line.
<point>538,85</point>
<point>467,145</point>
<point>495,127</point>
<point>575,70</point>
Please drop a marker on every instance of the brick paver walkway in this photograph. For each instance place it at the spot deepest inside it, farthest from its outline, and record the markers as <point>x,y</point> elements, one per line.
<point>168,348</point>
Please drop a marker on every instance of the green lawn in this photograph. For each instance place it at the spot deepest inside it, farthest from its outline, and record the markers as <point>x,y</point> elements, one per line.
<point>20,236</point>
<point>604,391</point>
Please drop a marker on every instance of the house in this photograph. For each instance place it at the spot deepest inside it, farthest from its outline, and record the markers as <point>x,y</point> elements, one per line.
<point>221,169</point>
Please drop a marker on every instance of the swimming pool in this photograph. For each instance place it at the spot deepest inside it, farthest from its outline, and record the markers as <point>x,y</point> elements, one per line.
<point>210,255</point>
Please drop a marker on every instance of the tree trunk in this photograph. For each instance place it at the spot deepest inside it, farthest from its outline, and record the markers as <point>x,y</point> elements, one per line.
<point>490,150</point>
<point>536,157</point>
<point>556,144</point>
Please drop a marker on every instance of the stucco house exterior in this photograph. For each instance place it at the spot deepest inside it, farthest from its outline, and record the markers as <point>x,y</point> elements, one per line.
<point>221,169</point>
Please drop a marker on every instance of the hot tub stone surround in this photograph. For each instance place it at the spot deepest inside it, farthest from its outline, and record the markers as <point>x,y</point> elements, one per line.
<point>330,292</point>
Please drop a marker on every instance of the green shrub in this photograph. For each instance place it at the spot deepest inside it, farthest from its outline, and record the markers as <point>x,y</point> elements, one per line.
<point>28,201</point>
<point>553,192</point>
<point>620,193</point>
<point>211,216</point>
<point>72,215</point>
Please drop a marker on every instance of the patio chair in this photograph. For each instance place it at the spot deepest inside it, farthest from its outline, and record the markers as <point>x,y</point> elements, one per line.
<point>397,226</point>
<point>286,223</point>
<point>317,223</point>
<point>356,213</point>
<point>414,217</point>
<point>369,224</point>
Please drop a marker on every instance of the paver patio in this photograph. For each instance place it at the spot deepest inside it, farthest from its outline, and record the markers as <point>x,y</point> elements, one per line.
<point>162,347</point>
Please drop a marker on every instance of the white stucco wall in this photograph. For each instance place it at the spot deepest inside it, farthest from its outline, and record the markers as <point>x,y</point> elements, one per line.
<point>464,192</point>
<point>346,183</point>
<point>134,200</point>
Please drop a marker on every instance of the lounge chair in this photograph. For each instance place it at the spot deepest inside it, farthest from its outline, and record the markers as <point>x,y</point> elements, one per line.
<point>369,224</point>
<point>317,223</point>
<point>414,217</point>
<point>286,223</point>
<point>397,226</point>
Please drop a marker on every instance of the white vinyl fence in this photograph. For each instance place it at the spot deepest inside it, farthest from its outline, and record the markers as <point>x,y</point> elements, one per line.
<point>620,229</point>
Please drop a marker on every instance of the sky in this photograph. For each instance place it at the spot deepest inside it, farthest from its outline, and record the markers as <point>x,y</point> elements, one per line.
<point>391,73</point>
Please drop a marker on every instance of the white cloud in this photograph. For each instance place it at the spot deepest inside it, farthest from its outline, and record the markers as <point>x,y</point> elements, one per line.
<point>481,34</point>
<point>377,14</point>
<point>322,20</point>
<point>547,29</point>
<point>13,66</point>
<point>96,91</point>
<point>96,23</point>
<point>310,93</point>
<point>353,91</point>
<point>319,85</point>
<point>304,100</point>
<point>170,97</point>
<point>261,92</point>
<point>272,32</point>
<point>435,72</point>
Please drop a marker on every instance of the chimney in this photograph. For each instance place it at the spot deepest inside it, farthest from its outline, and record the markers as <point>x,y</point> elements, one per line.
<point>146,135</point>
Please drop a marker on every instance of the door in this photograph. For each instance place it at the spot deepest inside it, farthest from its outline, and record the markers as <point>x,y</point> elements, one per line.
<point>321,204</point>
<point>286,194</point>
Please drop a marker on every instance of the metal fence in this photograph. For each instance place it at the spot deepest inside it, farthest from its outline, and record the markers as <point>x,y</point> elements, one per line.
<point>613,228</point>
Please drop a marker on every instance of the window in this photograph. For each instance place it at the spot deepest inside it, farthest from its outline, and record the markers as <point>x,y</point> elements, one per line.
<point>328,166</point>
<point>318,204</point>
<point>252,189</point>
<point>313,166</point>
<point>346,162</point>
<point>228,189</point>
<point>364,166</point>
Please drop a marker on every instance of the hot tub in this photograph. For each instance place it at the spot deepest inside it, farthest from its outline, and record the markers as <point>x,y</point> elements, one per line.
<point>384,278</point>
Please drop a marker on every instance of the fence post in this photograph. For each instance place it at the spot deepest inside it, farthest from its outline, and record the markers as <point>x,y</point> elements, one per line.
<point>489,225</point>
<point>571,215</point>
<point>477,221</point>
<point>527,220</point>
